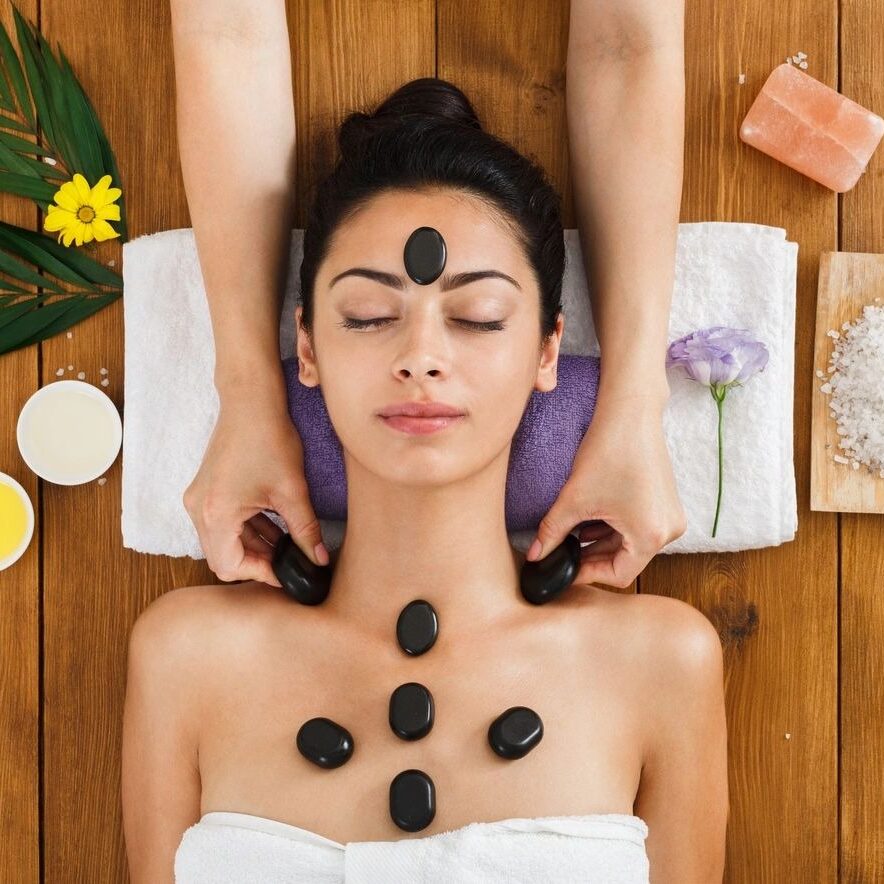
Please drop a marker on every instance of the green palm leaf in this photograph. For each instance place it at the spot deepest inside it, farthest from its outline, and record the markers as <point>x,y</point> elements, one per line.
<point>42,90</point>
<point>38,323</point>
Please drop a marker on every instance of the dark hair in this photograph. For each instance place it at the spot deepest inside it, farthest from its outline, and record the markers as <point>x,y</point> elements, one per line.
<point>425,135</point>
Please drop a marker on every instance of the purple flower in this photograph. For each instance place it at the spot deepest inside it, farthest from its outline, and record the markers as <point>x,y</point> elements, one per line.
<point>720,358</point>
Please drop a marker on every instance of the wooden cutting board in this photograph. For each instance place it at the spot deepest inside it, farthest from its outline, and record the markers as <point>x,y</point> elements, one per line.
<point>847,282</point>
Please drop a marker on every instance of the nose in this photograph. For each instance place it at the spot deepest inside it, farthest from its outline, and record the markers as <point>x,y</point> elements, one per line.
<point>423,350</point>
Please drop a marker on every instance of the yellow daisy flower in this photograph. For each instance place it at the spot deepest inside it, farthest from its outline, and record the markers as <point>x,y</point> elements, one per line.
<point>82,212</point>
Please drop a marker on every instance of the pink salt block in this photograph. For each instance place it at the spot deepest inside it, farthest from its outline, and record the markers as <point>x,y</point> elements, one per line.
<point>812,128</point>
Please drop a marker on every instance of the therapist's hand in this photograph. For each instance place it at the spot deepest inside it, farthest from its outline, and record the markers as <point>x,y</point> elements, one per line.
<point>254,461</point>
<point>622,475</point>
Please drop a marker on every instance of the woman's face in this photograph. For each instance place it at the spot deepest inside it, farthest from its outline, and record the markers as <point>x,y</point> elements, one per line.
<point>425,346</point>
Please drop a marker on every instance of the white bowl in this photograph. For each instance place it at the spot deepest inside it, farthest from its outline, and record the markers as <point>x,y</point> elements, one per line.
<point>18,552</point>
<point>70,426</point>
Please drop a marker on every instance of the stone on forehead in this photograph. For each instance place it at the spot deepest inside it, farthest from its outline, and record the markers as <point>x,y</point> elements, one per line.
<point>425,255</point>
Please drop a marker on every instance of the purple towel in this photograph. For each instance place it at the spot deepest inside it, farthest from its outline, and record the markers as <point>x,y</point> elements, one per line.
<point>541,455</point>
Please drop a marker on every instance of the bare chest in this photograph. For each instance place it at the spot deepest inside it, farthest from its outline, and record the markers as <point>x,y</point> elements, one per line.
<point>588,760</point>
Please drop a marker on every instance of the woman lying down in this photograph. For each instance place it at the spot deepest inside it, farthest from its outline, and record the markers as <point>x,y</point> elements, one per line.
<point>425,722</point>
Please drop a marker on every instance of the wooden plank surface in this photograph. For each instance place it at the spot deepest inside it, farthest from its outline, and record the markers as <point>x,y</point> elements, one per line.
<point>775,608</point>
<point>67,606</point>
<point>20,724</point>
<point>847,282</point>
<point>861,535</point>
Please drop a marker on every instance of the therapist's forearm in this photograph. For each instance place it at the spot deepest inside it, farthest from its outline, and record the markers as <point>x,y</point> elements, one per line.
<point>626,142</point>
<point>236,133</point>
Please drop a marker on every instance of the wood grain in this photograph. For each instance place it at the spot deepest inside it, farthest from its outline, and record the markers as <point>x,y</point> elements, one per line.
<point>66,607</point>
<point>775,608</point>
<point>861,536</point>
<point>847,282</point>
<point>20,612</point>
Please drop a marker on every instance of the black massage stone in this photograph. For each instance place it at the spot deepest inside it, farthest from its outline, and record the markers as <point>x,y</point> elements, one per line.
<point>411,711</point>
<point>542,581</point>
<point>325,743</point>
<point>301,579</point>
<point>425,255</point>
<point>412,800</point>
<point>417,627</point>
<point>514,733</point>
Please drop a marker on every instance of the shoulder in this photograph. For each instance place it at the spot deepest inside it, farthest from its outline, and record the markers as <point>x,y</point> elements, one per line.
<point>660,631</point>
<point>678,673</point>
<point>194,627</point>
<point>668,652</point>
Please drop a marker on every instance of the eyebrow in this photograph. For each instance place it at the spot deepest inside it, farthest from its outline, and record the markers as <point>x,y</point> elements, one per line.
<point>449,281</point>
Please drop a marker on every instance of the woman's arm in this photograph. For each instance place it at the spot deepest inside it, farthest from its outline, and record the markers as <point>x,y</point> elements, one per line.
<point>625,110</point>
<point>683,791</point>
<point>236,137</point>
<point>160,776</point>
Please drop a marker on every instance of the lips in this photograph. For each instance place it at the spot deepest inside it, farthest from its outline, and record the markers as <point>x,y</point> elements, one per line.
<point>421,409</point>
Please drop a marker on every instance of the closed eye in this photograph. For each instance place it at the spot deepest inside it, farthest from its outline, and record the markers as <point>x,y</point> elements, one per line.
<point>350,322</point>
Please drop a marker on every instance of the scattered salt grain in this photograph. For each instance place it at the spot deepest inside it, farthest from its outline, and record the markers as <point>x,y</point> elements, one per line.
<point>802,55</point>
<point>102,480</point>
<point>70,334</point>
<point>112,262</point>
<point>102,370</point>
<point>105,382</point>
<point>796,59</point>
<point>81,375</point>
<point>742,79</point>
<point>788,736</point>
<point>802,65</point>
<point>50,160</point>
<point>855,368</point>
<point>70,368</point>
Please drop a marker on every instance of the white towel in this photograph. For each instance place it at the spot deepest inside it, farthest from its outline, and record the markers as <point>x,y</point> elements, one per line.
<point>226,847</point>
<point>727,273</point>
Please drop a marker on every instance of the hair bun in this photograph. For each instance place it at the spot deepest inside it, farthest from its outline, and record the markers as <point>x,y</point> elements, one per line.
<point>421,101</point>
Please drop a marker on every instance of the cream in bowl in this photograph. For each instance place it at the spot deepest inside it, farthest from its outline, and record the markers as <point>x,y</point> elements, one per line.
<point>69,432</point>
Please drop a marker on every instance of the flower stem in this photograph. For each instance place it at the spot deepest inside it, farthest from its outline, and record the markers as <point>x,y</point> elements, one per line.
<point>719,400</point>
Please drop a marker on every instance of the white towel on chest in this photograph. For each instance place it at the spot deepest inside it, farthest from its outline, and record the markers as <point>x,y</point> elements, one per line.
<point>225,847</point>
<point>727,273</point>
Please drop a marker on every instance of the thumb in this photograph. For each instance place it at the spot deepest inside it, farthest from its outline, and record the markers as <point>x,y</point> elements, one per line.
<point>304,527</point>
<point>552,529</point>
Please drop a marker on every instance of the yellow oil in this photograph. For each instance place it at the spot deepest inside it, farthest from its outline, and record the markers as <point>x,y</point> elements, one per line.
<point>13,520</point>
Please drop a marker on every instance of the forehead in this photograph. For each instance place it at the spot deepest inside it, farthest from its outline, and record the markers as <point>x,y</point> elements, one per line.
<point>475,234</point>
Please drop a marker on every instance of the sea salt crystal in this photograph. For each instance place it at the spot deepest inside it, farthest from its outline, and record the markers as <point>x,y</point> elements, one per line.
<point>742,79</point>
<point>102,370</point>
<point>102,480</point>
<point>802,65</point>
<point>59,373</point>
<point>857,394</point>
<point>105,382</point>
<point>70,334</point>
<point>70,368</point>
<point>812,128</point>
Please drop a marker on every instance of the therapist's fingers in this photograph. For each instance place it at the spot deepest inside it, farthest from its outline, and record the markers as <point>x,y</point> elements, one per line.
<point>239,552</point>
<point>618,569</point>
<point>606,545</point>
<point>268,529</point>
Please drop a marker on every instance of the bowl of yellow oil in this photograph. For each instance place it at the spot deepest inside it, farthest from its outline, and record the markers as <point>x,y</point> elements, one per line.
<point>16,521</point>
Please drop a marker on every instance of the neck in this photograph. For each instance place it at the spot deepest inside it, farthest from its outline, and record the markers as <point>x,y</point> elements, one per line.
<point>447,545</point>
